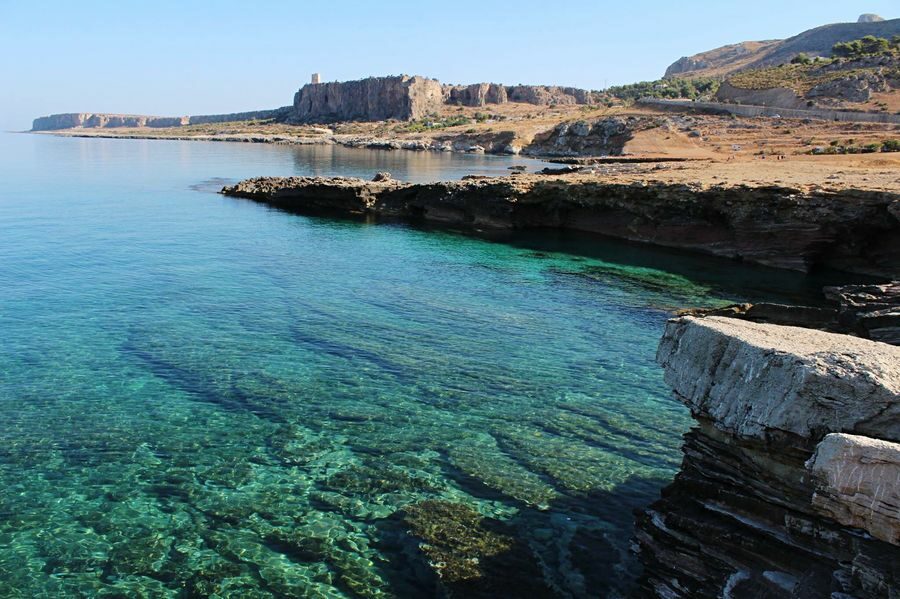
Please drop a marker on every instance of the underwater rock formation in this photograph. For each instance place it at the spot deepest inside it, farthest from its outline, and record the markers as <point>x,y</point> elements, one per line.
<point>790,481</point>
<point>851,230</point>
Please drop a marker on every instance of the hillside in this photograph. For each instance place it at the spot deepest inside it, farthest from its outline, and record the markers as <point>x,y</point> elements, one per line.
<point>753,55</point>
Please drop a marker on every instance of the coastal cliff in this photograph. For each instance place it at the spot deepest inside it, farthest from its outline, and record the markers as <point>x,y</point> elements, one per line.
<point>372,99</point>
<point>98,120</point>
<point>790,483</point>
<point>851,230</point>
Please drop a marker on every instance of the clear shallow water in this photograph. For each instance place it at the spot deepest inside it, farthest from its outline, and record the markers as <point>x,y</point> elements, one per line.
<point>203,396</point>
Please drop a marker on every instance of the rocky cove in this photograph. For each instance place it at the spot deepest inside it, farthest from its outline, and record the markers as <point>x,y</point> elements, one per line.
<point>855,231</point>
<point>790,481</point>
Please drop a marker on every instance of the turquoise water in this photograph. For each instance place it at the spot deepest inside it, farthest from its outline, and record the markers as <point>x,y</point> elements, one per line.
<point>202,396</point>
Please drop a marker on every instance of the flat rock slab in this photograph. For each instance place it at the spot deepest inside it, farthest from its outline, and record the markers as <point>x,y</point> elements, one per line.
<point>754,380</point>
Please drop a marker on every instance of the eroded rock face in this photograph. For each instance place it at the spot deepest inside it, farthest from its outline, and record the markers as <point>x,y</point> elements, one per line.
<point>785,228</point>
<point>603,137</point>
<point>858,484</point>
<point>478,94</point>
<point>545,95</point>
<point>92,120</point>
<point>372,99</point>
<point>772,500</point>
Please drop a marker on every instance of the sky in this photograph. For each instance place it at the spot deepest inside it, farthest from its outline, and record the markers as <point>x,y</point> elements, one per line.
<point>182,57</point>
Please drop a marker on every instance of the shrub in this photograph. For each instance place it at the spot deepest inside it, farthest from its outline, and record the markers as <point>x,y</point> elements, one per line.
<point>801,58</point>
<point>864,46</point>
<point>684,89</point>
<point>890,145</point>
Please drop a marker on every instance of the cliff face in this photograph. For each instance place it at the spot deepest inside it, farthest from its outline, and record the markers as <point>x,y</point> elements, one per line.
<point>850,230</point>
<point>372,99</point>
<point>546,95</point>
<point>90,120</point>
<point>478,94</point>
<point>791,480</point>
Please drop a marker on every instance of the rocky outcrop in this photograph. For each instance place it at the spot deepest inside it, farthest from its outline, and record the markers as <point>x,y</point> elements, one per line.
<point>478,94</point>
<point>789,482</point>
<point>95,120</point>
<point>411,98</point>
<point>373,99</point>
<point>869,18</point>
<point>856,87</point>
<point>544,95</point>
<point>851,230</point>
<point>91,120</point>
<point>603,137</point>
<point>869,311</point>
<point>482,94</point>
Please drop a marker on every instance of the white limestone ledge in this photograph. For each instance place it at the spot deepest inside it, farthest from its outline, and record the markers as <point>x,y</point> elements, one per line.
<point>754,379</point>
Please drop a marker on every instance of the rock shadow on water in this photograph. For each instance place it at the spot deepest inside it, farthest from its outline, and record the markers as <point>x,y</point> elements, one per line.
<point>447,548</point>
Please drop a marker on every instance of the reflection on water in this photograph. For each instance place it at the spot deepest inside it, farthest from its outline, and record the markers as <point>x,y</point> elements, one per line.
<point>205,397</point>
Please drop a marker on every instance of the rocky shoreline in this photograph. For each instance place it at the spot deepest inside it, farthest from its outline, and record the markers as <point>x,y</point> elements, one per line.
<point>583,138</point>
<point>856,231</point>
<point>790,483</point>
<point>790,480</point>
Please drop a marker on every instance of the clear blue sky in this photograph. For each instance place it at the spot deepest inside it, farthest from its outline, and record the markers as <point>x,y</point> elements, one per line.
<point>172,58</point>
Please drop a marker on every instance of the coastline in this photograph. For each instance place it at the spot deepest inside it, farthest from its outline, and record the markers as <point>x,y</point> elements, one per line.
<point>793,228</point>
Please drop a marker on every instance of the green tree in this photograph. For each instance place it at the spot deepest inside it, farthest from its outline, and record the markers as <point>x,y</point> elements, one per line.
<point>801,58</point>
<point>874,45</point>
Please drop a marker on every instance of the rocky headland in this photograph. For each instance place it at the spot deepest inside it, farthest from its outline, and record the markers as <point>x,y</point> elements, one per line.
<point>792,228</point>
<point>95,120</point>
<point>790,483</point>
<point>401,97</point>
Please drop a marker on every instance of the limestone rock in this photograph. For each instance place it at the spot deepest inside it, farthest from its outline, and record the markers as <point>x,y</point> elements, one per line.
<point>754,380</point>
<point>90,120</point>
<point>547,95</point>
<point>858,484</point>
<point>373,99</point>
<point>753,511</point>
<point>869,18</point>
<point>477,94</point>
<point>601,137</point>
